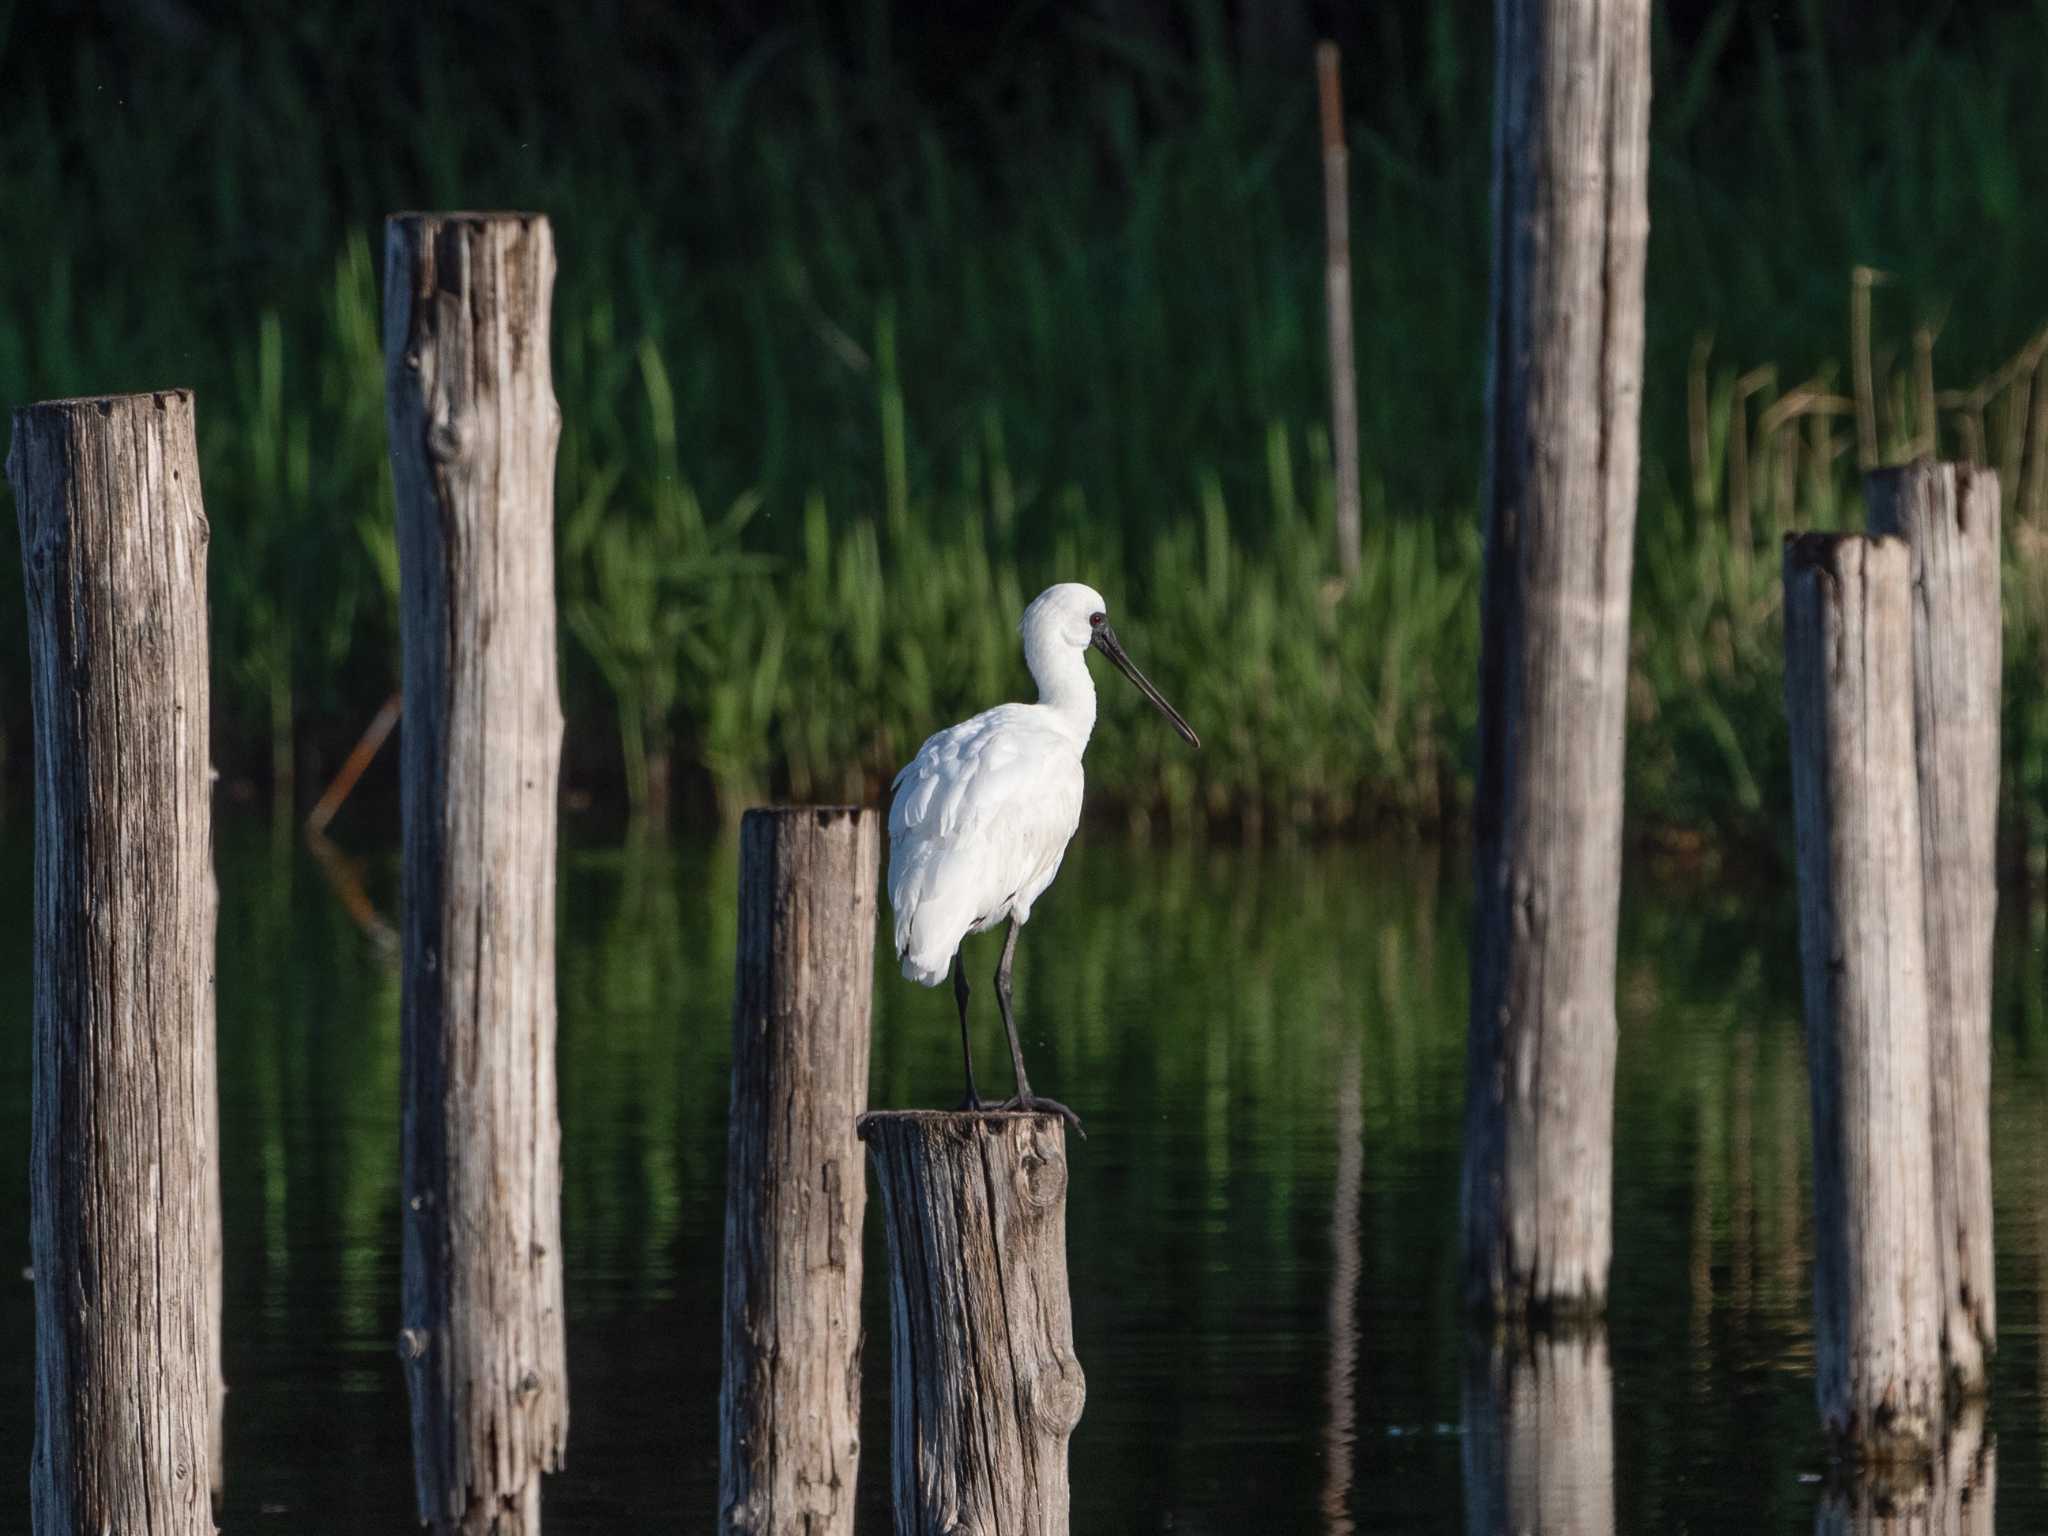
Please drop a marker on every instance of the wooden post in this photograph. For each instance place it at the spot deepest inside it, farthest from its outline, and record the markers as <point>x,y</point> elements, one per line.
<point>1948,515</point>
<point>1538,1449</point>
<point>209,1183</point>
<point>124,1173</point>
<point>984,1388</point>
<point>795,1191</point>
<point>473,423</point>
<point>1571,223</point>
<point>1849,702</point>
<point>1337,292</point>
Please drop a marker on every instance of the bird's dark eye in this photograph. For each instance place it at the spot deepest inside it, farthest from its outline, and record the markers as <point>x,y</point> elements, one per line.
<point>1095,621</point>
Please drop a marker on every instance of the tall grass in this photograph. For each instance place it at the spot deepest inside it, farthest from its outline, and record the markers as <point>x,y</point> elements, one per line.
<point>847,374</point>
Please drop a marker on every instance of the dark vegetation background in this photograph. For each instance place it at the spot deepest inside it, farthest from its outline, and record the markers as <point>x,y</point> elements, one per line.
<point>873,319</point>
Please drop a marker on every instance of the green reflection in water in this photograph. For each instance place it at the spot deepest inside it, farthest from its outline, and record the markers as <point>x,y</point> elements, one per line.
<point>1212,1013</point>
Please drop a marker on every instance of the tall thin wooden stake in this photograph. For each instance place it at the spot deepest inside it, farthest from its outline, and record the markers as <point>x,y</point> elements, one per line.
<point>1948,514</point>
<point>795,1190</point>
<point>984,1389</point>
<point>381,725</point>
<point>1337,292</point>
<point>1571,223</point>
<point>124,1171</point>
<point>1859,359</point>
<point>1849,702</point>
<point>1538,1448</point>
<point>473,426</point>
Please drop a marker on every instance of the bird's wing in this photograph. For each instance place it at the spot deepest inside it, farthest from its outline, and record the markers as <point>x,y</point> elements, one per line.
<point>982,813</point>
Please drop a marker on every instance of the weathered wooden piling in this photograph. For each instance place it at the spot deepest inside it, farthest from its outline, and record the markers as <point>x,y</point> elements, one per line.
<point>473,424</point>
<point>984,1389</point>
<point>1849,703</point>
<point>1948,515</point>
<point>1538,1448</point>
<point>209,1186</point>
<point>795,1190</point>
<point>1571,160</point>
<point>124,1171</point>
<point>1337,302</point>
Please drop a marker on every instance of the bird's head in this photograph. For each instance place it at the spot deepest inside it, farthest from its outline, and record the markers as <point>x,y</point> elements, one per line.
<point>1066,614</point>
<point>1074,614</point>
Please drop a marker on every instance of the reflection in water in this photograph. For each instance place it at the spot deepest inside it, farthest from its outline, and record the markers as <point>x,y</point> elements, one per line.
<point>1956,1496</point>
<point>345,877</point>
<point>1742,1174</point>
<point>1262,1227</point>
<point>1539,1434</point>
<point>1344,1273</point>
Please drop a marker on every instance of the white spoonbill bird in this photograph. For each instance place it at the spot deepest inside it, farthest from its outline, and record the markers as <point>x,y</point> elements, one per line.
<point>983,813</point>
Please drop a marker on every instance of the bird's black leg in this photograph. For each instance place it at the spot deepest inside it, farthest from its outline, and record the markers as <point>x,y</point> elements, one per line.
<point>1009,1019</point>
<point>1025,1098</point>
<point>966,1049</point>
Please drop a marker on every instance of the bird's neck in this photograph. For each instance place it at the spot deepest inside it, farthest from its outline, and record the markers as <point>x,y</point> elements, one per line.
<point>1064,686</point>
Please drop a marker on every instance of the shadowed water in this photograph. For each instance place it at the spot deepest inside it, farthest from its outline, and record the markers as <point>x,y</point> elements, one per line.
<point>1268,1048</point>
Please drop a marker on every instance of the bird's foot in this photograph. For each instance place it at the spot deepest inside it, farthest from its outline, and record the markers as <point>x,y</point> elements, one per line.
<point>1031,1103</point>
<point>971,1105</point>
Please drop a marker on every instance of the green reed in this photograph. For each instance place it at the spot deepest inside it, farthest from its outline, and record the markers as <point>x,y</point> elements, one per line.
<point>846,377</point>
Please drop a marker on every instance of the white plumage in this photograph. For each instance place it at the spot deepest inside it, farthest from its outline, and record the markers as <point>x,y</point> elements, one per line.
<point>983,814</point>
<point>981,820</point>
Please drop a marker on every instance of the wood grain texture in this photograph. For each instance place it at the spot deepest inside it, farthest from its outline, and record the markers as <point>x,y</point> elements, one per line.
<point>209,1185</point>
<point>984,1388</point>
<point>1571,223</point>
<point>124,1178</point>
<point>1849,704</point>
<point>795,1186</point>
<point>473,426</point>
<point>1948,515</point>
<point>1538,1447</point>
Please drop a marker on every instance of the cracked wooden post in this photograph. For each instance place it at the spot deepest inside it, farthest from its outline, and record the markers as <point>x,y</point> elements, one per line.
<point>1948,515</point>
<point>123,1169</point>
<point>795,1190</point>
<point>1849,703</point>
<point>1538,1449</point>
<point>1564,392</point>
<point>984,1389</point>
<point>473,424</point>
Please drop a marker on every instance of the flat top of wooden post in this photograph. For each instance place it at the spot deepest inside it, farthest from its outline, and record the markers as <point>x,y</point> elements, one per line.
<point>1818,551</point>
<point>465,216</point>
<point>826,814</point>
<point>105,402</point>
<point>1914,466</point>
<point>1924,466</point>
<point>948,1116</point>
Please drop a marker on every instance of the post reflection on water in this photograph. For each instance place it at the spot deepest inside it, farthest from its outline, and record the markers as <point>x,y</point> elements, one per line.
<point>1539,1433</point>
<point>1269,1048</point>
<point>1956,1496</point>
<point>1345,1267</point>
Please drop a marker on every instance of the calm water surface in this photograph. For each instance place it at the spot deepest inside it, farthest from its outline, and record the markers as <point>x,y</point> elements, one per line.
<point>1268,1048</point>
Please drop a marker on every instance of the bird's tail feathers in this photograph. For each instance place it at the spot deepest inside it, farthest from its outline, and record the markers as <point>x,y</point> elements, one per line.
<point>927,938</point>
<point>923,971</point>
